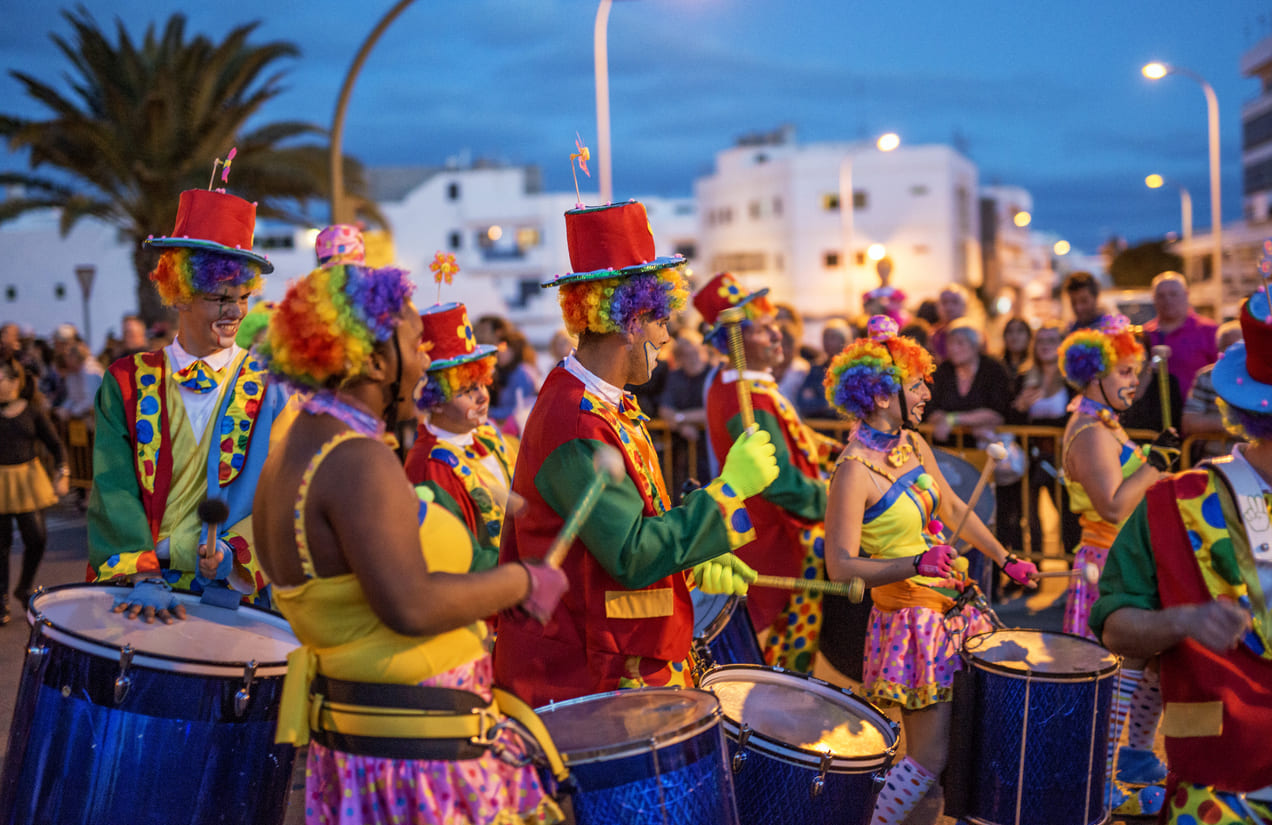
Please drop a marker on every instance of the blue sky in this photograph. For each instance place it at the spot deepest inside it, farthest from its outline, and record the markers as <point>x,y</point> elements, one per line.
<point>1043,95</point>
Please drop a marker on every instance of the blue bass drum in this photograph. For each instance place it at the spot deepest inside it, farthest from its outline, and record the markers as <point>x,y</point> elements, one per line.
<point>1036,747</point>
<point>804,752</point>
<point>650,755</point>
<point>722,634</point>
<point>121,721</point>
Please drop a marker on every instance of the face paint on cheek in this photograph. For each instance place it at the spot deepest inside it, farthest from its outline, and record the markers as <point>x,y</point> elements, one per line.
<point>1126,395</point>
<point>651,356</point>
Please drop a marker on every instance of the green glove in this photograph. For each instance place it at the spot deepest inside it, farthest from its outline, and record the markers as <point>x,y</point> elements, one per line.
<point>727,575</point>
<point>750,467</point>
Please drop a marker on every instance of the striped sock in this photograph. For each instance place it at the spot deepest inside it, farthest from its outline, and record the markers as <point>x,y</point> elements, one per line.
<point>903,787</point>
<point>1146,709</point>
<point>1123,690</point>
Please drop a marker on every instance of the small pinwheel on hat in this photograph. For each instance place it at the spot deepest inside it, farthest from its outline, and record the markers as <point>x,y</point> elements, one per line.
<point>458,361</point>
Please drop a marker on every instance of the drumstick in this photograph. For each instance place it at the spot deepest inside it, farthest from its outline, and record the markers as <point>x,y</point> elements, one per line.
<point>212,512</point>
<point>995,452</point>
<point>1089,572</point>
<point>854,589</point>
<point>609,469</point>
<point>733,318</point>
<point>1161,355</point>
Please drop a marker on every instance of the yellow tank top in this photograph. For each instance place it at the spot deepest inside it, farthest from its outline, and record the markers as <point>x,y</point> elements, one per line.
<point>1131,460</point>
<point>894,526</point>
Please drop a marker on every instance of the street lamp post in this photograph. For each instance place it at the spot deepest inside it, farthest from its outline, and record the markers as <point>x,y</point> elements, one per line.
<point>340,212</point>
<point>1185,205</point>
<point>600,59</point>
<point>1156,71</point>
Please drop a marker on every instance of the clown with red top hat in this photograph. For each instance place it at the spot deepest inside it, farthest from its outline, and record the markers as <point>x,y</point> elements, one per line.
<point>627,619</point>
<point>464,462</point>
<point>1188,579</point>
<point>186,423</point>
<point>790,535</point>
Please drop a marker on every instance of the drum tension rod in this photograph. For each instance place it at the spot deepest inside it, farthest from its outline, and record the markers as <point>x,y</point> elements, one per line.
<point>244,694</point>
<point>123,681</point>
<point>35,651</point>
<point>739,758</point>
<point>819,782</point>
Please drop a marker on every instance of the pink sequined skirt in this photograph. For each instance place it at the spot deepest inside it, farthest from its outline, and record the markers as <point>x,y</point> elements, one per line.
<point>344,789</point>
<point>912,655</point>
<point>1082,594</point>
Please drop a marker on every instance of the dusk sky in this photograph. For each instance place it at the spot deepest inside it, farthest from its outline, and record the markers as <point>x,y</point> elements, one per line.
<point>1047,96</point>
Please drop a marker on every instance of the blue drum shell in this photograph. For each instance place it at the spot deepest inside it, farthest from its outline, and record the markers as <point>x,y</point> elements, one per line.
<point>772,791</point>
<point>723,634</point>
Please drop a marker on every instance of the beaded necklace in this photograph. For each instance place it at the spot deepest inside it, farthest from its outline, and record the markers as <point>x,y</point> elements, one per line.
<point>1093,408</point>
<point>359,420</point>
<point>898,449</point>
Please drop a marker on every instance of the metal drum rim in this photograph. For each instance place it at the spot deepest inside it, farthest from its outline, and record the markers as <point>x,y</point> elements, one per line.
<point>622,751</point>
<point>804,757</point>
<point>1041,675</point>
<point>144,659</point>
<point>721,619</point>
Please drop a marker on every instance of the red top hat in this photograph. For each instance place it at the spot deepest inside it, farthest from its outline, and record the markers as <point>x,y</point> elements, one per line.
<point>447,327</point>
<point>215,222</point>
<point>612,241</point>
<point>1243,373</point>
<point>720,293</point>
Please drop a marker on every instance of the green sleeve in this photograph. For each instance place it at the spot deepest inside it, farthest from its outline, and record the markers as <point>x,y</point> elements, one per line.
<point>793,491</point>
<point>1129,578</point>
<point>637,550</point>
<point>485,553</point>
<point>117,523</point>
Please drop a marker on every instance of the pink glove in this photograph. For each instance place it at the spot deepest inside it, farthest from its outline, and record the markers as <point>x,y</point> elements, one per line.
<point>547,585</point>
<point>937,561</point>
<point>1021,572</point>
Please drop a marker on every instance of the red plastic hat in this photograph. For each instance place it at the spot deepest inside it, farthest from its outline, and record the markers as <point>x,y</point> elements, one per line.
<point>612,241</point>
<point>720,293</point>
<point>447,327</point>
<point>1243,373</point>
<point>216,222</point>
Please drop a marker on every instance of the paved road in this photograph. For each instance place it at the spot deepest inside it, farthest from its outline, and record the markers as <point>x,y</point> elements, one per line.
<point>65,563</point>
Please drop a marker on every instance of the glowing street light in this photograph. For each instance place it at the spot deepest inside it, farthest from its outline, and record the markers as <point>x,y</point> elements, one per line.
<point>1022,219</point>
<point>888,141</point>
<point>876,252</point>
<point>1061,248</point>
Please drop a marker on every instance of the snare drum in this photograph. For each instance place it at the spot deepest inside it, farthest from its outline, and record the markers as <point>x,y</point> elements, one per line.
<point>804,752</point>
<point>1037,704</point>
<point>722,634</point>
<point>117,720</point>
<point>651,755</point>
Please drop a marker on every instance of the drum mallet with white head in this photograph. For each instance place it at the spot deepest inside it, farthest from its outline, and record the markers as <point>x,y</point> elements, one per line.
<point>733,318</point>
<point>214,512</point>
<point>1089,573</point>
<point>995,453</point>
<point>1161,360</point>
<point>610,469</point>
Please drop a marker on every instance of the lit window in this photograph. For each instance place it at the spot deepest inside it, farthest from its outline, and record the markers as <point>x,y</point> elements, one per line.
<point>528,236</point>
<point>860,199</point>
<point>830,201</point>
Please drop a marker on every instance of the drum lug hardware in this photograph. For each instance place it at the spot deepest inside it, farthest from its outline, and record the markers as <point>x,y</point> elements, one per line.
<point>739,758</point>
<point>896,727</point>
<point>819,783</point>
<point>123,681</point>
<point>244,694</point>
<point>35,651</point>
<point>879,779</point>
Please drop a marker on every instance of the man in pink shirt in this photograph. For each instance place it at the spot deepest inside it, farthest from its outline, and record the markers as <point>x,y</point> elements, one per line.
<point>1190,337</point>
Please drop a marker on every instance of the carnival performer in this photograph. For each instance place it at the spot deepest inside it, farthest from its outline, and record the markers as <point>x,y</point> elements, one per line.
<point>375,583</point>
<point>887,500</point>
<point>464,462</point>
<point>627,620</point>
<point>1106,476</point>
<point>25,491</point>
<point>1188,578</point>
<point>789,534</point>
<point>185,423</point>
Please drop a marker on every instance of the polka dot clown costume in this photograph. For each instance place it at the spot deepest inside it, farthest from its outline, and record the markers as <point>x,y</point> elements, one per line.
<point>627,619</point>
<point>463,462</point>
<point>1200,537</point>
<point>190,421</point>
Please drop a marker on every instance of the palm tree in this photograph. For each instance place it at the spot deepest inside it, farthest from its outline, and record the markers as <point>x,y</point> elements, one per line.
<point>145,120</point>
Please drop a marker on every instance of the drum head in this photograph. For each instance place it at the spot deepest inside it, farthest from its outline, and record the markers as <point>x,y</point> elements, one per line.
<point>209,640</point>
<point>800,718</point>
<point>1039,653</point>
<point>710,613</point>
<point>623,722</point>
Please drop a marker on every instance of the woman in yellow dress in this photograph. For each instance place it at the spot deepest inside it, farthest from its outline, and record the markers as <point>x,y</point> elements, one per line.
<point>375,582</point>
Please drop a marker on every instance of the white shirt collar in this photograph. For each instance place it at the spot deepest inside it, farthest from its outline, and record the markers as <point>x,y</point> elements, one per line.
<point>458,439</point>
<point>593,382</point>
<point>181,359</point>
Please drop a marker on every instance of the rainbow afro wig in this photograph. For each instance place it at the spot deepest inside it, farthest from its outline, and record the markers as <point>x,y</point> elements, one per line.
<point>623,304</point>
<point>879,364</point>
<point>443,385</point>
<point>330,321</point>
<point>1090,354</point>
<point>183,273</point>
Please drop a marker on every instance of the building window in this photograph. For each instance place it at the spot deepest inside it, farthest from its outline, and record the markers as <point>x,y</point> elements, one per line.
<point>528,236</point>
<point>452,191</point>
<point>754,209</point>
<point>59,292</point>
<point>739,262</point>
<point>921,249</point>
<point>11,293</point>
<point>830,201</point>
<point>276,242</point>
<point>456,240</point>
<point>830,260</point>
<point>860,199</point>
<point>918,190</point>
<point>726,215</point>
<point>686,250</point>
<point>760,157</point>
<point>777,206</point>
<point>861,259</point>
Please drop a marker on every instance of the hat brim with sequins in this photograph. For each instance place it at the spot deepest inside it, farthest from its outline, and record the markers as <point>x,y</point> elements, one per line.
<point>447,328</point>
<point>1243,373</point>
<point>611,241</point>
<point>214,222</point>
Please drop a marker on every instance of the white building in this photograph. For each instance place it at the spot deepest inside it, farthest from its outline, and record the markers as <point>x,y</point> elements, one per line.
<point>1019,275</point>
<point>771,214</point>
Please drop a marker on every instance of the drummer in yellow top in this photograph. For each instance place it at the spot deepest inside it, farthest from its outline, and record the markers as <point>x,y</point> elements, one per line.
<point>885,496</point>
<point>1107,476</point>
